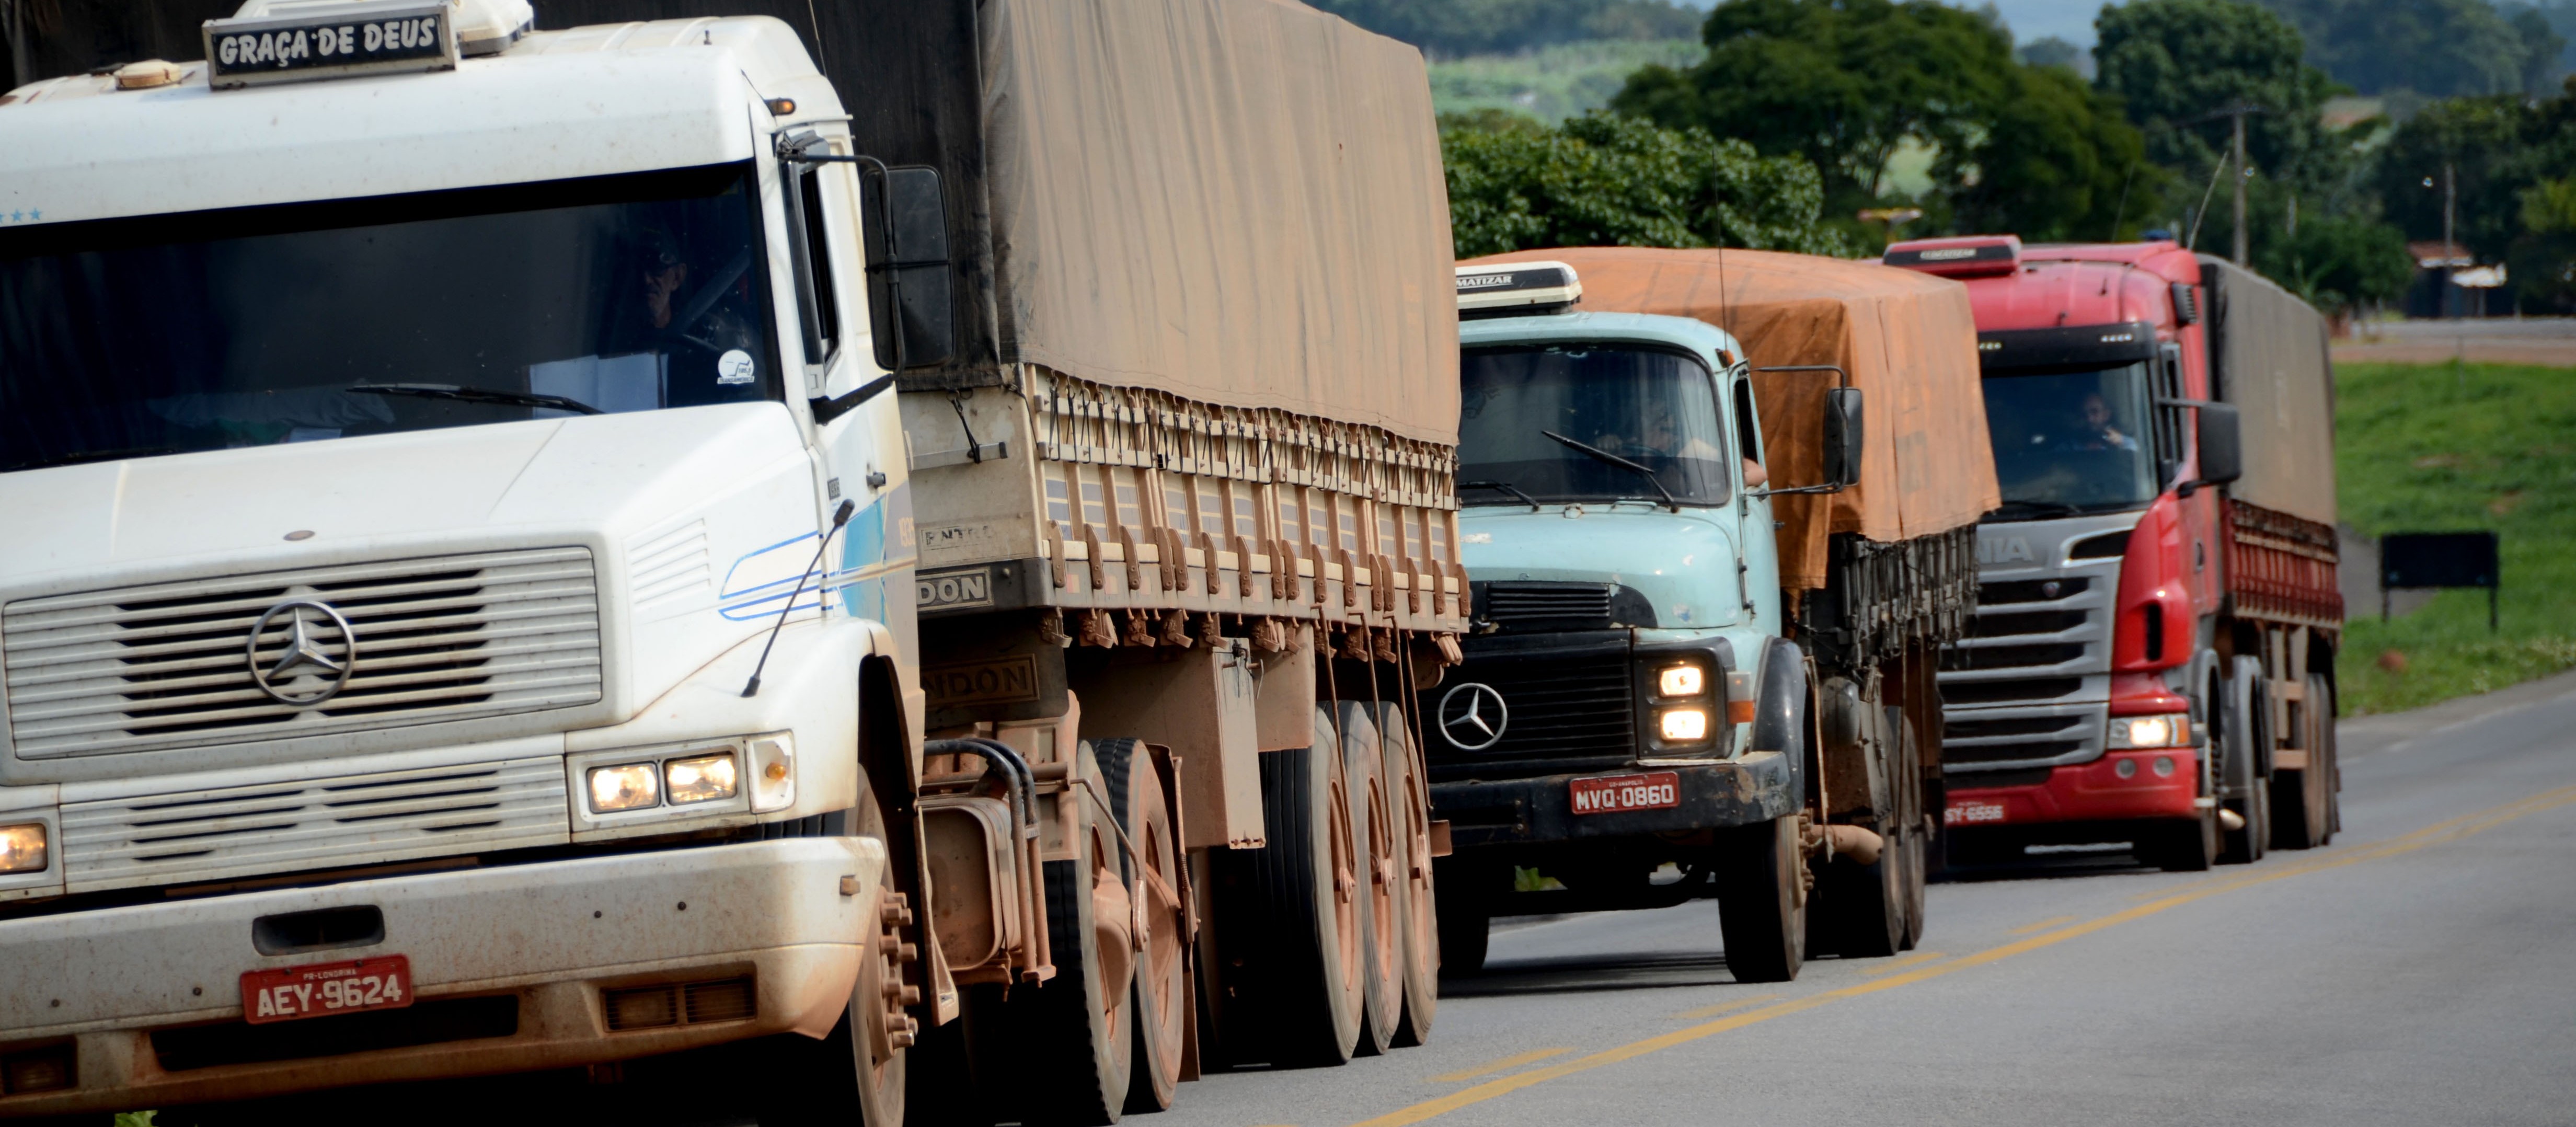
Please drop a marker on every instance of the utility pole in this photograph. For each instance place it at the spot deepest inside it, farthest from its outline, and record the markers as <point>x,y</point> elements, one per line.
<point>2243,258</point>
<point>2450,253</point>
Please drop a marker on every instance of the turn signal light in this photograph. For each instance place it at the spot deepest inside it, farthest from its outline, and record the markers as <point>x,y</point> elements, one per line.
<point>22,848</point>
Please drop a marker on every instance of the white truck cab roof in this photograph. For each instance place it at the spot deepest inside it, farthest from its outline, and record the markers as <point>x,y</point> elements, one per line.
<point>554,105</point>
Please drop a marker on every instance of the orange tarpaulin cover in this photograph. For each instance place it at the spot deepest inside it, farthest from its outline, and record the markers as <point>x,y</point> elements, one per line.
<point>1909,341</point>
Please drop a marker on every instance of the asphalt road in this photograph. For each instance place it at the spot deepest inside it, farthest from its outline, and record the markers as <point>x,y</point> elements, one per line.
<point>2419,969</point>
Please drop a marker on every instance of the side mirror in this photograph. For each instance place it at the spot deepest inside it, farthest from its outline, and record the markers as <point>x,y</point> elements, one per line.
<point>2222,447</point>
<point>910,305</point>
<point>1842,436</point>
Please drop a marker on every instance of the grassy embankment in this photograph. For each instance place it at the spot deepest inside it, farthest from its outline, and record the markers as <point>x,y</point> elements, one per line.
<point>2451,448</point>
<point>1552,83</point>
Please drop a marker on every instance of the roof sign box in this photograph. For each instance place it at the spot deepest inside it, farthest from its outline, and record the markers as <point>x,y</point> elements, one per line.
<point>1517,288</point>
<point>304,42</point>
<point>1968,256</point>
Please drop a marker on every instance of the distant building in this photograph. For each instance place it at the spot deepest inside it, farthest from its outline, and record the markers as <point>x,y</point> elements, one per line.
<point>2450,283</point>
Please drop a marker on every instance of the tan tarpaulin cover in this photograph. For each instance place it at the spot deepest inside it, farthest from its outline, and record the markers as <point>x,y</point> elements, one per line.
<point>2273,366</point>
<point>1907,338</point>
<point>1239,201</point>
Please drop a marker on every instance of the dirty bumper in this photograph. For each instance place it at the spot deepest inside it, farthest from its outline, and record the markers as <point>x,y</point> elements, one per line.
<point>1756,788</point>
<point>511,968</point>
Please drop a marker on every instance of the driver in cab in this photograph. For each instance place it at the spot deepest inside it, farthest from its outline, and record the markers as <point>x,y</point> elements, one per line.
<point>700,326</point>
<point>2093,429</point>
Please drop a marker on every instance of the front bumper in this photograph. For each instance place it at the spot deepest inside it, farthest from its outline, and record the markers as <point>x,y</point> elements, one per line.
<point>548,936</point>
<point>2084,792</point>
<point>1735,792</point>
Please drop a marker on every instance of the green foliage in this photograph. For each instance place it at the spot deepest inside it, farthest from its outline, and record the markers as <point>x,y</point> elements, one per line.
<point>1551,84</point>
<point>2056,164</point>
<point>1602,180</point>
<point>2338,261</point>
<point>2175,64</point>
<point>2512,159</point>
<point>1466,27</point>
<point>2435,448</point>
<point>1842,82</point>
<point>2438,47</point>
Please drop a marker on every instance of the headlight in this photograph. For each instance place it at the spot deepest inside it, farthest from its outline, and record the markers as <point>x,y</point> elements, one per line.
<point>22,848</point>
<point>2172,730</point>
<point>1684,725</point>
<point>703,778</point>
<point>1681,681</point>
<point>627,786</point>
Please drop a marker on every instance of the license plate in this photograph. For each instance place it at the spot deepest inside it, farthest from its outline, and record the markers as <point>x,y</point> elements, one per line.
<point>1655,791</point>
<point>322,989</point>
<point>1970,812</point>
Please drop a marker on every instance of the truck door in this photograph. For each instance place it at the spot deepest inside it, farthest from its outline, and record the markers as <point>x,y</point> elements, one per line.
<point>1757,560</point>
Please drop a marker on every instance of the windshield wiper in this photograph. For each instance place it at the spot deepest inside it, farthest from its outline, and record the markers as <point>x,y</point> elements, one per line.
<point>79,456</point>
<point>476,395</point>
<point>1620,462</point>
<point>1506,487</point>
<point>2041,510</point>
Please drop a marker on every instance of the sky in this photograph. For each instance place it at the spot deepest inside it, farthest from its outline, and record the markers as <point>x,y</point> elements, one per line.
<point>2070,20</point>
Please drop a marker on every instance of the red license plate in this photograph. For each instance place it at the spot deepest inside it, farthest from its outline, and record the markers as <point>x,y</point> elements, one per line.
<point>322,989</point>
<point>1655,791</point>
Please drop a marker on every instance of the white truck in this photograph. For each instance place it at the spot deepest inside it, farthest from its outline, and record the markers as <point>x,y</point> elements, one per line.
<point>529,550</point>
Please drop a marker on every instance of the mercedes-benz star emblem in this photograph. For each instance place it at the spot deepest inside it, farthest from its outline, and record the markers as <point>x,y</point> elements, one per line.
<point>1473,716</point>
<point>314,641</point>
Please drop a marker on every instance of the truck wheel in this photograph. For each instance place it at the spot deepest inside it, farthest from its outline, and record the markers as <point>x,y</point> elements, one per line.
<point>2302,813</point>
<point>1161,1000</point>
<point>2321,688</point>
<point>2178,846</point>
<point>1073,1028</point>
<point>1303,988</point>
<point>1381,963</point>
<point>1417,921</point>
<point>2243,732</point>
<point>1761,906</point>
<point>1913,825</point>
<point>1857,910</point>
<point>857,1072</point>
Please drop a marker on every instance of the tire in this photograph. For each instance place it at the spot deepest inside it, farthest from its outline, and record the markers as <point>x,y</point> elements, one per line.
<point>1072,1030</point>
<point>1417,920</point>
<point>1160,1000</point>
<point>1914,824</point>
<point>1372,813</point>
<point>1761,913</point>
<point>2242,737</point>
<point>1301,985</point>
<point>857,1073</point>
<point>1857,911</point>
<point>2303,805</point>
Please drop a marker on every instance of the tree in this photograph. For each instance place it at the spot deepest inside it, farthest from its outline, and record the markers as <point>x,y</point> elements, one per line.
<point>2176,64</point>
<point>2482,145</point>
<point>1603,180</point>
<point>2340,261</point>
<point>1843,82</point>
<point>2439,47</point>
<point>2056,163</point>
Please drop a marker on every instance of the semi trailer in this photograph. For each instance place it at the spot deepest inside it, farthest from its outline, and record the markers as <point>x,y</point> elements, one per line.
<point>1717,526</point>
<point>2153,657</point>
<point>571,551</point>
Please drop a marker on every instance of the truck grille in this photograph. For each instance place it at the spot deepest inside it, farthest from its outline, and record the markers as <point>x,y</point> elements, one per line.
<point>1524,602</point>
<point>352,820</point>
<point>2025,687</point>
<point>1564,708</point>
<point>437,639</point>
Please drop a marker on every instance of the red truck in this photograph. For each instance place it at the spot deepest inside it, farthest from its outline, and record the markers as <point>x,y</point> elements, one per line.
<point>2152,659</point>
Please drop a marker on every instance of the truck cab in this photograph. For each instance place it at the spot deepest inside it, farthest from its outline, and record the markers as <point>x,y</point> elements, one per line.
<point>1625,592</point>
<point>456,567</point>
<point>2080,705</point>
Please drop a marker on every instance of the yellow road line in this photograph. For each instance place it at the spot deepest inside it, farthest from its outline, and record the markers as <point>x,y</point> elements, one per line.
<point>2438,833</point>
<point>1722,1007</point>
<point>1490,1067</point>
<point>2041,925</point>
<point>1891,966</point>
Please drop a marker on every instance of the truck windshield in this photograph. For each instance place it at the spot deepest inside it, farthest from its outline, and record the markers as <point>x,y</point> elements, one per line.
<point>1655,409</point>
<point>177,333</point>
<point>2068,442</point>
